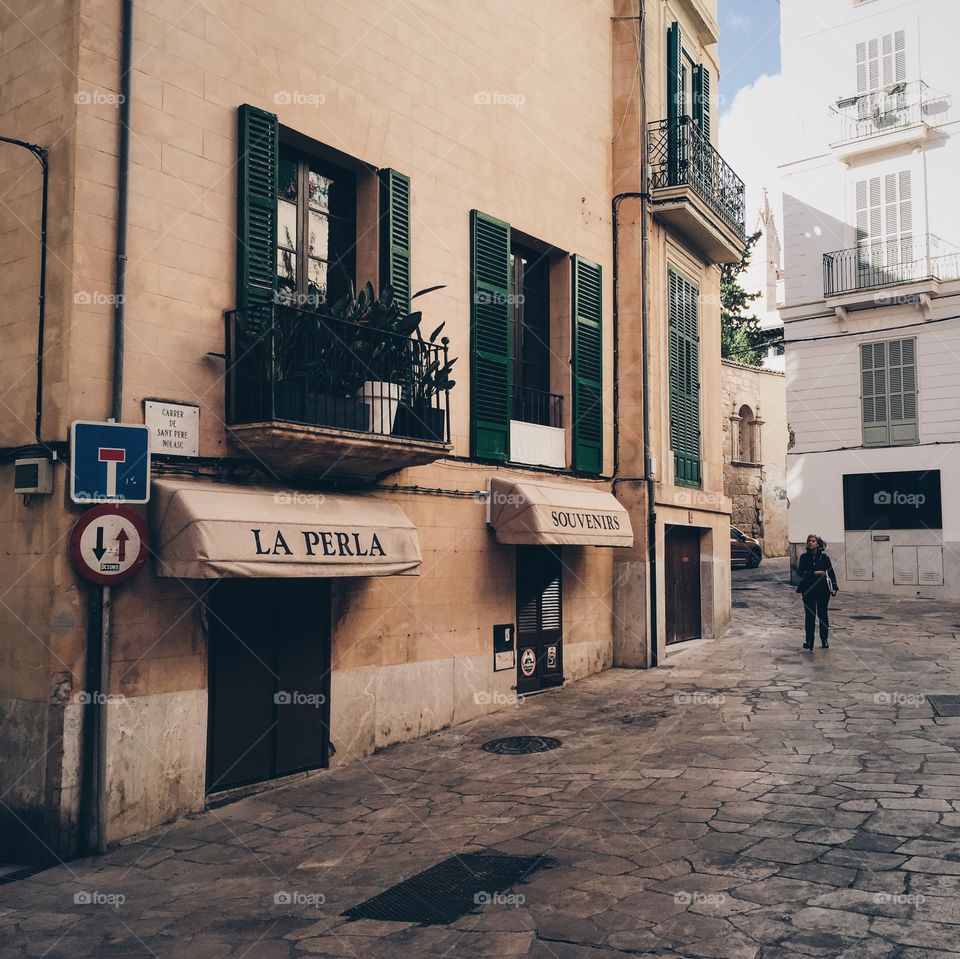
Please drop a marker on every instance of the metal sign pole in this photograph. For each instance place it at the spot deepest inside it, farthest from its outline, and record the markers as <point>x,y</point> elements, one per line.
<point>102,716</point>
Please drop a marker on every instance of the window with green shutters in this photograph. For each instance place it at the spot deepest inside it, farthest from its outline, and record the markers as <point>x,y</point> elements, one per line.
<point>395,234</point>
<point>888,392</point>
<point>684,341</point>
<point>258,143</point>
<point>688,102</point>
<point>489,336</point>
<point>587,366</point>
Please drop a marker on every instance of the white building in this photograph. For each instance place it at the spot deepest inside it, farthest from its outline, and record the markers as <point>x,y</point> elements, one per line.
<point>871,223</point>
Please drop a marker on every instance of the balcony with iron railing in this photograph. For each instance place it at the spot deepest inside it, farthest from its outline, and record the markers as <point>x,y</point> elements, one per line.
<point>899,114</point>
<point>903,269</point>
<point>695,191</point>
<point>305,390</point>
<point>537,437</point>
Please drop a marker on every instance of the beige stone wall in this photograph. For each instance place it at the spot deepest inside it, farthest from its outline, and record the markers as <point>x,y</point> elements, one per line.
<point>757,491</point>
<point>490,107</point>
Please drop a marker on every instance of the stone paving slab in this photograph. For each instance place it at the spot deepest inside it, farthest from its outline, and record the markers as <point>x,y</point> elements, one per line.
<point>748,801</point>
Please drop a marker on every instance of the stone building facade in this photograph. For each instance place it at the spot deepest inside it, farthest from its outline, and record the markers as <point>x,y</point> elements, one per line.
<point>755,440</point>
<point>467,150</point>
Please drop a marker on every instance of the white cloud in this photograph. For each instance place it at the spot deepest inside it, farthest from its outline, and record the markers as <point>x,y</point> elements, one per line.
<point>740,22</point>
<point>753,133</point>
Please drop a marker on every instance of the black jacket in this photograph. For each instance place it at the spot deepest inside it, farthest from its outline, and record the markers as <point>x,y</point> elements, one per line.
<point>809,564</point>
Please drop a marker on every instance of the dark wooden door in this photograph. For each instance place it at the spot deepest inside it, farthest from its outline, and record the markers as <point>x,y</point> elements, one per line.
<point>539,618</point>
<point>682,582</point>
<point>269,654</point>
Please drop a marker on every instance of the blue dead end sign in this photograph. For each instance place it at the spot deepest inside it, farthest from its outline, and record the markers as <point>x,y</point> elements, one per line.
<point>109,462</point>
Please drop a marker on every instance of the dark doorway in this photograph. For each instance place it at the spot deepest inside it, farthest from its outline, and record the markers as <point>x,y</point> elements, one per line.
<point>682,578</point>
<point>269,668</point>
<point>539,618</point>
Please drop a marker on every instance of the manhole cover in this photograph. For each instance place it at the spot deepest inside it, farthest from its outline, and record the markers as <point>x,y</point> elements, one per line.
<point>865,616</point>
<point>521,745</point>
<point>450,889</point>
<point>945,705</point>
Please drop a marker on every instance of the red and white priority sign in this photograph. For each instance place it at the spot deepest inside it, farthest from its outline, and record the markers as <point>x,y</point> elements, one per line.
<point>109,544</point>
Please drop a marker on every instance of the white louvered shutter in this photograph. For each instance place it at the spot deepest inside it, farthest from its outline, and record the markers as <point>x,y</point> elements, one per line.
<point>873,394</point>
<point>902,391</point>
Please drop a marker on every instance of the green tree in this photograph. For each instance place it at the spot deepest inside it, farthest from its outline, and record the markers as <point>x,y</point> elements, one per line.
<point>741,338</point>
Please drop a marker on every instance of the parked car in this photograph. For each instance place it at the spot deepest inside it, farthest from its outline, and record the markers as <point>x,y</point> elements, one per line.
<point>744,549</point>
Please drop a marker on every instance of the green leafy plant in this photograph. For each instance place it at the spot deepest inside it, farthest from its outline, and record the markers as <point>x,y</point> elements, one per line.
<point>741,338</point>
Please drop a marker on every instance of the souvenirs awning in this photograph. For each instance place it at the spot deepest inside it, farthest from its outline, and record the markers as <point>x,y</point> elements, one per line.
<point>206,530</point>
<point>530,513</point>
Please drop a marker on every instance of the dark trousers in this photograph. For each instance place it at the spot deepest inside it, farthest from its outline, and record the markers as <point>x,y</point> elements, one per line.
<point>815,607</point>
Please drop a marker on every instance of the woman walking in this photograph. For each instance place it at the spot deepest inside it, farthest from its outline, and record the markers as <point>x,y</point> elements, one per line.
<point>818,582</point>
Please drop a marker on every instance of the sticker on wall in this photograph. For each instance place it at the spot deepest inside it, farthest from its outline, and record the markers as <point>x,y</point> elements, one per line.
<point>551,657</point>
<point>528,662</point>
<point>504,653</point>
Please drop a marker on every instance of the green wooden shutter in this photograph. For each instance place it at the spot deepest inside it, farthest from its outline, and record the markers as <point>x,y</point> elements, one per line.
<point>587,366</point>
<point>684,337</point>
<point>701,100</point>
<point>489,336</point>
<point>395,235</point>
<point>873,394</point>
<point>675,139</point>
<point>902,391</point>
<point>258,149</point>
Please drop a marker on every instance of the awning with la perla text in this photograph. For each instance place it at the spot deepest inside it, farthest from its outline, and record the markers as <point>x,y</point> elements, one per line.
<point>205,530</point>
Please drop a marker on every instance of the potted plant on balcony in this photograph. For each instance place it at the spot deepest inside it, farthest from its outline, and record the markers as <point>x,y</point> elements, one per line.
<point>419,415</point>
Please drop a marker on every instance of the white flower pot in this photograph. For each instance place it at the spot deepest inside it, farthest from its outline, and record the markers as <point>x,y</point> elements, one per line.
<point>383,398</point>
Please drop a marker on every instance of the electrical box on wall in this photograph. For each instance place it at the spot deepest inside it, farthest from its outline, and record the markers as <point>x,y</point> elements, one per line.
<point>33,476</point>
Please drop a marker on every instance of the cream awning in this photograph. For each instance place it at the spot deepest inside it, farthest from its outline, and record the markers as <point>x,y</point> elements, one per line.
<point>205,530</point>
<point>530,513</point>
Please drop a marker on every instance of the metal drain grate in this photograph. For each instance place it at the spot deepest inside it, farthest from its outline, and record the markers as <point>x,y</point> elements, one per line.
<point>865,616</point>
<point>945,705</point>
<point>521,745</point>
<point>450,889</point>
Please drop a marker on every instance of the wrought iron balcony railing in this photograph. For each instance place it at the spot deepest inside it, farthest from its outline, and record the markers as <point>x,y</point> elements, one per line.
<point>297,366</point>
<point>537,406</point>
<point>895,107</point>
<point>680,155</point>
<point>895,262</point>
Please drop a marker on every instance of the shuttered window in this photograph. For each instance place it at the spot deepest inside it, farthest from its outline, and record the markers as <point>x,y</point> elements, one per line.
<point>257,158</point>
<point>888,392</point>
<point>701,99</point>
<point>395,235</point>
<point>490,336</point>
<point>688,101</point>
<point>881,62</point>
<point>587,366</point>
<point>684,335</point>
<point>884,218</point>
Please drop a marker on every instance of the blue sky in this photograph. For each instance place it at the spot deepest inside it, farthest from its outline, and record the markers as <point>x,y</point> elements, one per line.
<point>749,44</point>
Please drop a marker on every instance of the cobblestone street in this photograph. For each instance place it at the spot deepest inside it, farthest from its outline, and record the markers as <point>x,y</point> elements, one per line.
<point>748,800</point>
